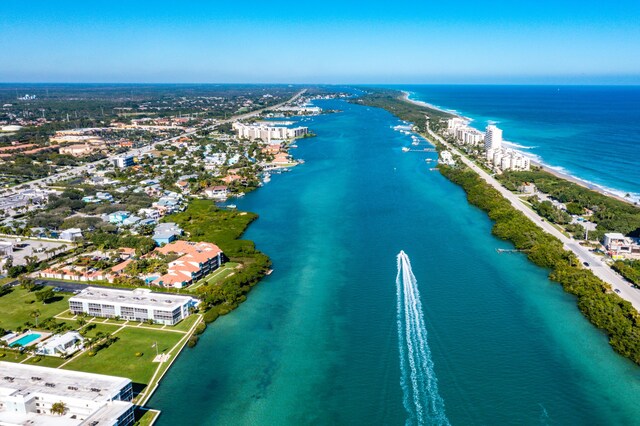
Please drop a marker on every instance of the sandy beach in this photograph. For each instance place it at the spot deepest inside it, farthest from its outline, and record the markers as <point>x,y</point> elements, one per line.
<point>544,167</point>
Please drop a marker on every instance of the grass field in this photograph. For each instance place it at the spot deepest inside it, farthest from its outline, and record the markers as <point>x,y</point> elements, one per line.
<point>145,417</point>
<point>120,358</point>
<point>45,361</point>
<point>216,276</point>
<point>99,327</point>
<point>11,355</point>
<point>16,307</point>
<point>185,324</point>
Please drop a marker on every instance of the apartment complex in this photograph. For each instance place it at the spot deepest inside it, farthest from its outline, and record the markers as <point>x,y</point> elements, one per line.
<point>268,132</point>
<point>123,161</point>
<point>197,260</point>
<point>27,393</point>
<point>492,138</point>
<point>508,159</point>
<point>137,305</point>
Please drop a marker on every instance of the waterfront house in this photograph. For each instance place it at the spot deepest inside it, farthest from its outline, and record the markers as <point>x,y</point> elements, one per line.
<point>217,192</point>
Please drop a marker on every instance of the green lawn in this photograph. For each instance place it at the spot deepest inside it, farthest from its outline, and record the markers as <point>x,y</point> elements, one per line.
<point>119,359</point>
<point>11,355</point>
<point>216,276</point>
<point>104,328</point>
<point>185,324</point>
<point>145,417</point>
<point>17,306</point>
<point>46,361</point>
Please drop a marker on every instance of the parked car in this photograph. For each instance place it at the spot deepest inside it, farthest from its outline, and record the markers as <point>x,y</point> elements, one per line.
<point>585,264</point>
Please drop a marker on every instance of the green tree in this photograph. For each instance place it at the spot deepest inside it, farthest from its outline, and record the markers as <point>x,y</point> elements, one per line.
<point>35,314</point>
<point>59,408</point>
<point>45,295</point>
<point>27,283</point>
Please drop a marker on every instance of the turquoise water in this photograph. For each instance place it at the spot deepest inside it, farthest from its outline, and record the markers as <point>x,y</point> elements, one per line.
<point>317,343</point>
<point>591,132</point>
<point>25,340</point>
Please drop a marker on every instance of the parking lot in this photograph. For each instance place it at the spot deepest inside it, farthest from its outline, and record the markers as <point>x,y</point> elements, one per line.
<point>22,249</point>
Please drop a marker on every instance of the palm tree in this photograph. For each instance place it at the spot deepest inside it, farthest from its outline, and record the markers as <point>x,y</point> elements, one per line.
<point>35,314</point>
<point>58,408</point>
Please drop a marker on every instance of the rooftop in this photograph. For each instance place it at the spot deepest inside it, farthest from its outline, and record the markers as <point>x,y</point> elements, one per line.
<point>21,379</point>
<point>140,296</point>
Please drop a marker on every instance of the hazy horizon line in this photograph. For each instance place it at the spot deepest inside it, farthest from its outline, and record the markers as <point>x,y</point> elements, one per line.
<point>564,83</point>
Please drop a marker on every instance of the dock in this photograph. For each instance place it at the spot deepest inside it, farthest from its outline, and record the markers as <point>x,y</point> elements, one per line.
<point>420,150</point>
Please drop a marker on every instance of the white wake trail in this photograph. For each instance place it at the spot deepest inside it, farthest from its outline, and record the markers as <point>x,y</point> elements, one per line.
<point>421,400</point>
<point>403,367</point>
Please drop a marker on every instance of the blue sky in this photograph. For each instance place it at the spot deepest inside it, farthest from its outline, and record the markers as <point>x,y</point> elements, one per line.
<point>324,42</point>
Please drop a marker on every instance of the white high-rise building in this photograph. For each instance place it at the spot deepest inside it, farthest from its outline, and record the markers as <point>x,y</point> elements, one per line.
<point>492,138</point>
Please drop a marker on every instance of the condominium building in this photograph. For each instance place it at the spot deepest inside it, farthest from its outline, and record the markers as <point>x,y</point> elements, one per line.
<point>508,159</point>
<point>137,305</point>
<point>492,138</point>
<point>123,161</point>
<point>268,132</point>
<point>455,123</point>
<point>197,261</point>
<point>28,392</point>
<point>469,135</point>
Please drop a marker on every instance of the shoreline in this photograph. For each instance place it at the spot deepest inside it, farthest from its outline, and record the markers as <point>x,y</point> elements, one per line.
<point>608,192</point>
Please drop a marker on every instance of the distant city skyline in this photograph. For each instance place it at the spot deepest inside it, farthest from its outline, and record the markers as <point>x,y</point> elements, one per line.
<point>501,42</point>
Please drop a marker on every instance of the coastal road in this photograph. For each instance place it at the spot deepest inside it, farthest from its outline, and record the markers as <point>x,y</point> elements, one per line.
<point>586,257</point>
<point>137,151</point>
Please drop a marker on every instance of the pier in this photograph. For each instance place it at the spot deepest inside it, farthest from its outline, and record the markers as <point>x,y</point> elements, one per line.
<point>420,150</point>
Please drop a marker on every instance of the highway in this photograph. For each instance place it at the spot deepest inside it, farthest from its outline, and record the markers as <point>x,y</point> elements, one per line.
<point>38,183</point>
<point>596,263</point>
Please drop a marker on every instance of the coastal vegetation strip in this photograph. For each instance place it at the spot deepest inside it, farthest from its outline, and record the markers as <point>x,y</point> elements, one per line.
<point>610,214</point>
<point>206,222</point>
<point>395,102</point>
<point>603,308</point>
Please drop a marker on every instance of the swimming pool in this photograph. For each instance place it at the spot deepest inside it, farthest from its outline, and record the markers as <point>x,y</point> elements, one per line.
<point>25,340</point>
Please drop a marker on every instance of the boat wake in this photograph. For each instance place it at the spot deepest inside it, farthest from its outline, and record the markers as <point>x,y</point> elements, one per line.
<point>421,399</point>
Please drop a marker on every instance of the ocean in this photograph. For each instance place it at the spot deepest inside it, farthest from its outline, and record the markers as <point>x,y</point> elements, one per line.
<point>590,132</point>
<point>318,342</point>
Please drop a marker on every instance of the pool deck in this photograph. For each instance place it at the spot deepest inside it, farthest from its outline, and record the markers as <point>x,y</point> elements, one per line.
<point>43,336</point>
